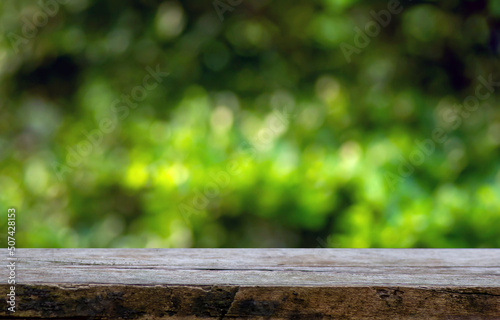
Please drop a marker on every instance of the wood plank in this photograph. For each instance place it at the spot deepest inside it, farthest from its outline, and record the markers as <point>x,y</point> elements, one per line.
<point>256,283</point>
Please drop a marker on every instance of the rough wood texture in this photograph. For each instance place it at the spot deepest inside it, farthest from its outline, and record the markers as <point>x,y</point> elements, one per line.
<point>256,283</point>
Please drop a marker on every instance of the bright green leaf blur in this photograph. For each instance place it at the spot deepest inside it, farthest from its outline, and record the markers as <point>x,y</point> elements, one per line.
<point>261,135</point>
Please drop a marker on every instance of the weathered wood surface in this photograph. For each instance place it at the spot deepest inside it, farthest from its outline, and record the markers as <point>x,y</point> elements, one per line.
<point>256,284</point>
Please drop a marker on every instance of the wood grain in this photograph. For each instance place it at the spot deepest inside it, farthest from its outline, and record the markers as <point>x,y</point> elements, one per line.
<point>256,284</point>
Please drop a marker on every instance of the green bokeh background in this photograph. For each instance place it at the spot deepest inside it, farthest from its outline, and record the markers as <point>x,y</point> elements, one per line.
<point>327,176</point>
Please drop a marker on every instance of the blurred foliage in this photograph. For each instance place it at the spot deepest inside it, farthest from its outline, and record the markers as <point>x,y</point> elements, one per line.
<point>321,179</point>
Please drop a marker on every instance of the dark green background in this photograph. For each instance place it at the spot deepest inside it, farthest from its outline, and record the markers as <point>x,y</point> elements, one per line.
<point>328,176</point>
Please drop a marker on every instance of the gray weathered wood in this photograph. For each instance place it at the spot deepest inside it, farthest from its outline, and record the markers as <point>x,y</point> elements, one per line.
<point>256,283</point>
